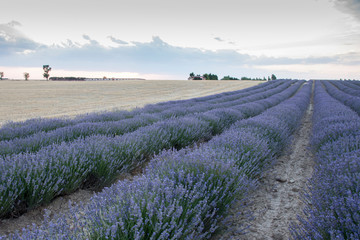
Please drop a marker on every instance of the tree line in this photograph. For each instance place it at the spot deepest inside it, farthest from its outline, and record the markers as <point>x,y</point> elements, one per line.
<point>210,76</point>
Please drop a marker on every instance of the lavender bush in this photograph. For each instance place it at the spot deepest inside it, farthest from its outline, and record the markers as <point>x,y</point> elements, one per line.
<point>96,160</point>
<point>60,169</point>
<point>338,119</point>
<point>353,84</point>
<point>183,194</point>
<point>349,100</point>
<point>69,133</point>
<point>333,197</point>
<point>13,130</point>
<point>347,87</point>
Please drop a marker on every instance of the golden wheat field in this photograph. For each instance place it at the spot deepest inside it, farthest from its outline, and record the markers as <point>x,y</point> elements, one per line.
<point>21,100</point>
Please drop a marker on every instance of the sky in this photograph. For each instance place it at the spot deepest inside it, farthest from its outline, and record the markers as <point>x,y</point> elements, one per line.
<point>168,39</point>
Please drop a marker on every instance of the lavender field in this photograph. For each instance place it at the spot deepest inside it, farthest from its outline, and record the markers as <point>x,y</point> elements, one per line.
<point>196,158</point>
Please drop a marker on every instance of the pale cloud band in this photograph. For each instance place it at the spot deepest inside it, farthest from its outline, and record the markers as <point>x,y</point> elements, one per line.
<point>349,6</point>
<point>155,57</point>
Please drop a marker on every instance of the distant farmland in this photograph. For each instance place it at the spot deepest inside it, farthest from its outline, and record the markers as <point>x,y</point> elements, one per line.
<point>20,100</point>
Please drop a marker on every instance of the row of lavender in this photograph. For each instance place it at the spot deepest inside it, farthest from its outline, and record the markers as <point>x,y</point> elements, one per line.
<point>22,129</point>
<point>336,90</point>
<point>30,179</point>
<point>333,199</point>
<point>147,117</point>
<point>357,83</point>
<point>183,194</point>
<point>348,87</point>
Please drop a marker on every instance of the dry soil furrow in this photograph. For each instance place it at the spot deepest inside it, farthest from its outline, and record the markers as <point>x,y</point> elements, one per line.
<point>59,206</point>
<point>277,200</point>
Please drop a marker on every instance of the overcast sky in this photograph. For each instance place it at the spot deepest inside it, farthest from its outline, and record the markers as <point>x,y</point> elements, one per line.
<point>167,39</point>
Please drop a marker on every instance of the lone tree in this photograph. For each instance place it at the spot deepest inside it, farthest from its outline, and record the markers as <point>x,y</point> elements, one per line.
<point>1,75</point>
<point>273,77</point>
<point>26,76</point>
<point>47,69</point>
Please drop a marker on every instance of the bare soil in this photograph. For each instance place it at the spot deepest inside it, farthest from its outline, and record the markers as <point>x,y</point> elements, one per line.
<point>21,100</point>
<point>277,200</point>
<point>59,206</point>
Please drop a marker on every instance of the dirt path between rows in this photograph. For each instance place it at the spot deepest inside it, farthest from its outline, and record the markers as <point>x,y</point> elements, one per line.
<point>277,200</point>
<point>36,216</point>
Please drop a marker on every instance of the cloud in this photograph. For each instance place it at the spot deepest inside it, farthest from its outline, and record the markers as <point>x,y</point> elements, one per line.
<point>93,42</point>
<point>156,56</point>
<point>14,24</point>
<point>13,41</point>
<point>118,41</point>
<point>349,6</point>
<point>264,60</point>
<point>218,39</point>
<point>350,58</point>
<point>222,40</point>
<point>70,44</point>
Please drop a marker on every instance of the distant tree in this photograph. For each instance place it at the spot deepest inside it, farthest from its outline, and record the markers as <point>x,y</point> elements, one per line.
<point>1,75</point>
<point>229,78</point>
<point>47,69</point>
<point>213,77</point>
<point>273,77</point>
<point>104,77</point>
<point>67,78</point>
<point>26,76</point>
<point>210,76</point>
<point>205,76</point>
<point>245,78</point>
<point>197,77</point>
<point>268,78</point>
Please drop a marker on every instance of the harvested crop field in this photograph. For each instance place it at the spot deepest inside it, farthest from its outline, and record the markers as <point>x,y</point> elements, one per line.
<point>20,100</point>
